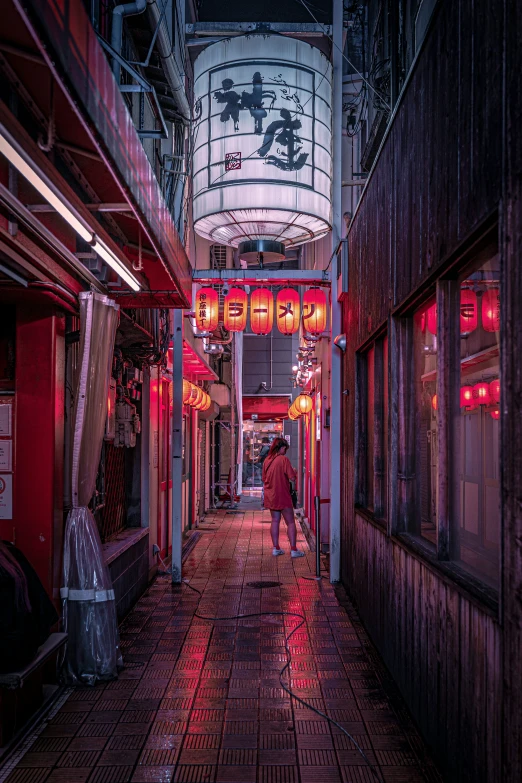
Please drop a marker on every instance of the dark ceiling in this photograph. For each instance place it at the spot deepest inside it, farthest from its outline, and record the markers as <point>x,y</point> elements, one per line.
<point>264,11</point>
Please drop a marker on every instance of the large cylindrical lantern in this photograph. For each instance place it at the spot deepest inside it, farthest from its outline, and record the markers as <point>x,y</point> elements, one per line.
<point>481,393</point>
<point>303,403</point>
<point>197,396</point>
<point>292,415</point>
<point>261,311</point>
<point>468,311</point>
<point>491,310</point>
<point>288,311</point>
<point>466,397</point>
<point>235,310</point>
<point>207,309</point>
<point>314,311</point>
<point>207,402</point>
<point>187,392</point>
<point>263,123</point>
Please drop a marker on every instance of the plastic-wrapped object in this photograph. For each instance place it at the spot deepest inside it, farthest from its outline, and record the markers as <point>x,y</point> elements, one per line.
<point>89,610</point>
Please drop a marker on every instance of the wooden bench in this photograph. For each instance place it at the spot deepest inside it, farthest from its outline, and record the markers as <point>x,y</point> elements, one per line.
<point>22,692</point>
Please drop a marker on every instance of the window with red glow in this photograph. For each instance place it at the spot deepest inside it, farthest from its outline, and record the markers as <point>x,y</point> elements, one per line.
<point>478,532</point>
<point>425,331</point>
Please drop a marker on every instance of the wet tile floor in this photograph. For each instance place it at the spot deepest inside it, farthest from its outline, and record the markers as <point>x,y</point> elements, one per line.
<point>201,701</point>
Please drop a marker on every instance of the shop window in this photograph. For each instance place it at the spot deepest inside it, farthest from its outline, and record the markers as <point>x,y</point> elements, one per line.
<point>426,408</point>
<point>478,534</point>
<point>370,427</point>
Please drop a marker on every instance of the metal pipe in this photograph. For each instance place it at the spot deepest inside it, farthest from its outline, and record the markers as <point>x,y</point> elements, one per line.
<point>168,61</point>
<point>317,504</point>
<point>336,316</point>
<point>126,9</point>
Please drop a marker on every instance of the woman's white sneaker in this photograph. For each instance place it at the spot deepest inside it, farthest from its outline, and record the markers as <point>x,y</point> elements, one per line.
<point>277,552</point>
<point>297,553</point>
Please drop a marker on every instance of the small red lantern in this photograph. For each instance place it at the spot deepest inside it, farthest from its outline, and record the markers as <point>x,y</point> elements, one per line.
<point>235,310</point>
<point>494,391</point>
<point>288,311</point>
<point>491,310</point>
<point>466,397</point>
<point>207,309</point>
<point>495,414</point>
<point>431,318</point>
<point>314,311</point>
<point>261,311</point>
<point>481,393</point>
<point>434,402</point>
<point>468,311</point>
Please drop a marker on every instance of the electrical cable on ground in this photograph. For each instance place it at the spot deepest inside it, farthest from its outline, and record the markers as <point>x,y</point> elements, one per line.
<point>285,687</point>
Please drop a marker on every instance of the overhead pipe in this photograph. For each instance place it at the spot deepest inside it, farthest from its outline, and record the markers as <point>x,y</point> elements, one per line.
<point>126,9</point>
<point>168,59</point>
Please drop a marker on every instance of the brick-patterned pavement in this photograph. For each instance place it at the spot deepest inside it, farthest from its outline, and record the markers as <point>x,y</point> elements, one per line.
<point>201,702</point>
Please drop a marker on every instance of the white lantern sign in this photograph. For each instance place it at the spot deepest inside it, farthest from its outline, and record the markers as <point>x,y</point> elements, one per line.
<point>262,143</point>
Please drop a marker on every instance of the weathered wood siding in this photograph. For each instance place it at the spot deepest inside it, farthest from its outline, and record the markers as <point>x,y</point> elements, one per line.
<point>441,648</point>
<point>438,180</point>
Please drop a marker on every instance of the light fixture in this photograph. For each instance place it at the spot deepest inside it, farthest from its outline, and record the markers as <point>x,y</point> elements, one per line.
<point>21,161</point>
<point>295,368</point>
<point>340,342</point>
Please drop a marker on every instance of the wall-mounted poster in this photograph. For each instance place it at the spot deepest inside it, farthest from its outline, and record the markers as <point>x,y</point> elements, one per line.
<point>6,410</point>
<point>6,496</point>
<point>6,454</point>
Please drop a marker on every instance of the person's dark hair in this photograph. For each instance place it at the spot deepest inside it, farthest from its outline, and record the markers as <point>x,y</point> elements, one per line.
<point>10,567</point>
<point>276,444</point>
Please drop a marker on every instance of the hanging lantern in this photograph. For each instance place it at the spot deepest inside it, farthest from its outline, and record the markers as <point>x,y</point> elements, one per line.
<point>495,414</point>
<point>207,402</point>
<point>494,391</point>
<point>481,393</point>
<point>434,402</point>
<point>235,310</point>
<point>207,309</point>
<point>491,310</point>
<point>261,311</point>
<point>303,403</point>
<point>314,311</point>
<point>468,311</point>
<point>187,392</point>
<point>431,319</point>
<point>466,397</point>
<point>197,396</point>
<point>292,414</point>
<point>288,311</point>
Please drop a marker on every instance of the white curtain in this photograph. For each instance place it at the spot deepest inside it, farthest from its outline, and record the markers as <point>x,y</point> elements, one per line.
<point>89,609</point>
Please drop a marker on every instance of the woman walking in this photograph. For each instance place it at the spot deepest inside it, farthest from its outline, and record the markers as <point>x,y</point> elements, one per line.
<point>277,475</point>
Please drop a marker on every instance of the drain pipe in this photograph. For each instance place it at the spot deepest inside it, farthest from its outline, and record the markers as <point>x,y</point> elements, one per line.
<point>174,75</point>
<point>127,9</point>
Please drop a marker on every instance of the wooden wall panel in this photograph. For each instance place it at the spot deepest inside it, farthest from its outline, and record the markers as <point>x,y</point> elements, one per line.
<point>441,649</point>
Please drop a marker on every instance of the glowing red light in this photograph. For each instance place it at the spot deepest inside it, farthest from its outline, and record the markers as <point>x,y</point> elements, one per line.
<point>261,311</point>
<point>495,414</point>
<point>468,311</point>
<point>434,402</point>
<point>466,397</point>
<point>491,310</point>
<point>288,311</point>
<point>494,391</point>
<point>431,318</point>
<point>481,393</point>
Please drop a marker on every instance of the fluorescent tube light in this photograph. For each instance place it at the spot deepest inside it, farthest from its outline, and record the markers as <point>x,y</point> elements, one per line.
<point>52,197</point>
<point>37,182</point>
<point>115,263</point>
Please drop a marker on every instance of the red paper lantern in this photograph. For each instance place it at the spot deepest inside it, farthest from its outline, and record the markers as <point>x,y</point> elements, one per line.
<point>494,391</point>
<point>235,310</point>
<point>288,311</point>
<point>261,311</point>
<point>468,311</point>
<point>434,402</point>
<point>481,393</point>
<point>207,309</point>
<point>314,311</point>
<point>495,414</point>
<point>466,397</point>
<point>491,310</point>
<point>431,318</point>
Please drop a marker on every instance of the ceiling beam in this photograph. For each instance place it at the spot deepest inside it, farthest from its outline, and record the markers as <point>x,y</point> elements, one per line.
<point>241,28</point>
<point>257,276</point>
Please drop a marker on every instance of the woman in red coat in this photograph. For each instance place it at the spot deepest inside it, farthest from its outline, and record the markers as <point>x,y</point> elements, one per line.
<point>277,475</point>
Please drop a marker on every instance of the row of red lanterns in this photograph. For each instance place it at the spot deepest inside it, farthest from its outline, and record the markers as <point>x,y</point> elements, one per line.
<point>193,395</point>
<point>287,310</point>
<point>469,312</point>
<point>482,393</point>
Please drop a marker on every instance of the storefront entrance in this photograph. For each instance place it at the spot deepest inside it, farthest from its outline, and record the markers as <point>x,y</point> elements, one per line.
<point>257,437</point>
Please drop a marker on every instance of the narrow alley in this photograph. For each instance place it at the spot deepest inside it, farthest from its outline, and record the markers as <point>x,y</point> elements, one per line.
<point>201,701</point>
